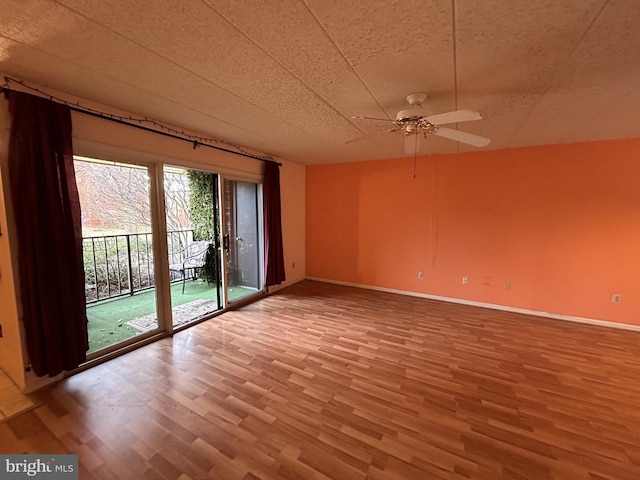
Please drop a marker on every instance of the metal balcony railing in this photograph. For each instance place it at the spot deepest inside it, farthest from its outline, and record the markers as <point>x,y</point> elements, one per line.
<point>117,265</point>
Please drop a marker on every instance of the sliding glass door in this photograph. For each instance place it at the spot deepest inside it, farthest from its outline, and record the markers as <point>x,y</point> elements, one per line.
<point>127,297</point>
<point>242,239</point>
<point>193,243</point>
<point>118,252</point>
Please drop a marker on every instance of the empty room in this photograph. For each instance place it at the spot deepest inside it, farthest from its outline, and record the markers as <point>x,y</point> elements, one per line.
<point>311,239</point>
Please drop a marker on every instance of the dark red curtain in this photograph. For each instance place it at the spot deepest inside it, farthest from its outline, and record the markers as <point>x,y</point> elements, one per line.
<point>273,251</point>
<point>49,233</point>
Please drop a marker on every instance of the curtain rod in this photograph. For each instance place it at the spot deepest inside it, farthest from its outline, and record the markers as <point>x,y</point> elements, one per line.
<point>122,121</point>
<point>195,143</point>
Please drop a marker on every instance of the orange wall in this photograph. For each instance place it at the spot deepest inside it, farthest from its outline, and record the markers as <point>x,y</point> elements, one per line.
<point>560,223</point>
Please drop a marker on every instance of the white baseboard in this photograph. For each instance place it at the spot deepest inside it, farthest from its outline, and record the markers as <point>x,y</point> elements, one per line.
<point>34,383</point>
<point>556,316</point>
<point>285,284</point>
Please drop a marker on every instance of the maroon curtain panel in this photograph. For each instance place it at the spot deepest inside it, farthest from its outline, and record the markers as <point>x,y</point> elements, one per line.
<point>49,233</point>
<point>273,251</point>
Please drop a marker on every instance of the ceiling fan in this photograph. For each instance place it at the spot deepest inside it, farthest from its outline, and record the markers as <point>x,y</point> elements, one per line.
<point>416,122</point>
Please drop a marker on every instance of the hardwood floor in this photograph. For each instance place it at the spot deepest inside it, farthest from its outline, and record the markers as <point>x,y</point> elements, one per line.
<point>323,381</point>
<point>12,401</point>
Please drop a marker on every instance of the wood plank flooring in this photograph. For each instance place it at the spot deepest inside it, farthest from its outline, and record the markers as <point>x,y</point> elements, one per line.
<point>12,401</point>
<point>322,381</point>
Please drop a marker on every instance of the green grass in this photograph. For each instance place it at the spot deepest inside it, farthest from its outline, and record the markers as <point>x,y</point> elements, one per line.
<point>107,320</point>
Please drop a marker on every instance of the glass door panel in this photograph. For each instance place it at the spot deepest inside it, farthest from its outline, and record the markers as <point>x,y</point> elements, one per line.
<point>242,239</point>
<point>118,252</point>
<point>191,204</point>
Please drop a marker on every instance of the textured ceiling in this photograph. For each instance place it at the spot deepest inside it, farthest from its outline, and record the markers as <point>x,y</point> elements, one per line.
<point>284,77</point>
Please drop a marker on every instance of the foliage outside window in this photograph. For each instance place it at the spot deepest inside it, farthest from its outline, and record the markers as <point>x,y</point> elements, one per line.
<point>201,207</point>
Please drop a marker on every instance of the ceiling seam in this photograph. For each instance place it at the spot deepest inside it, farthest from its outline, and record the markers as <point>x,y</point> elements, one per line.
<point>137,87</point>
<point>307,87</point>
<point>455,61</point>
<point>455,54</point>
<point>573,50</point>
<point>351,67</point>
<point>186,70</point>
<point>147,49</point>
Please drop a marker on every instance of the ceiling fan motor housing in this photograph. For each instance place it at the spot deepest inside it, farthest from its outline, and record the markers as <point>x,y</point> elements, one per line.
<point>411,115</point>
<point>416,113</point>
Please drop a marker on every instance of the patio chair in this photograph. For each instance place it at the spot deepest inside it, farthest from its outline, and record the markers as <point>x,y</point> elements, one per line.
<point>193,256</point>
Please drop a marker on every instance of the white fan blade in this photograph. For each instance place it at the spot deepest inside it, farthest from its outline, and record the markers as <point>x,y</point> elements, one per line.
<point>412,143</point>
<point>372,118</point>
<point>453,117</point>
<point>462,137</point>
<point>394,129</point>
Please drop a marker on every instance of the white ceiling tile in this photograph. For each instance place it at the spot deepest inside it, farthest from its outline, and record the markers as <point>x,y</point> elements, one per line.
<point>194,36</point>
<point>395,50</point>
<point>284,77</point>
<point>509,53</point>
<point>595,93</point>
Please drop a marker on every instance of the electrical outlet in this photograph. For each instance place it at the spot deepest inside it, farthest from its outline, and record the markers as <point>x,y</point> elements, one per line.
<point>507,285</point>
<point>616,298</point>
<point>420,275</point>
<point>293,265</point>
<point>465,280</point>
